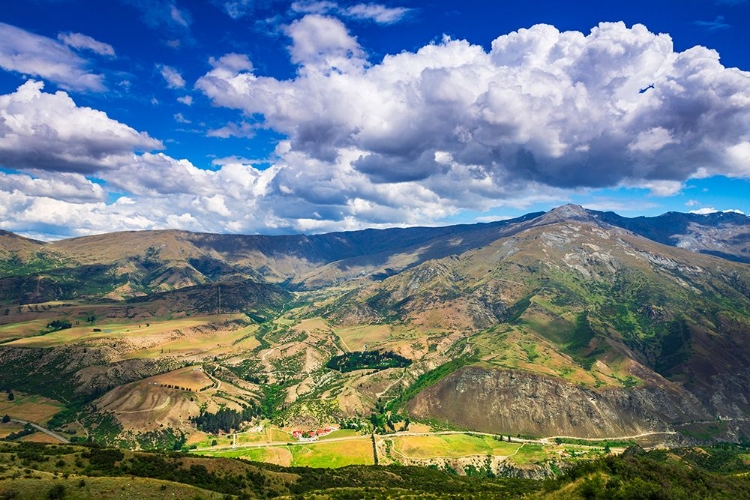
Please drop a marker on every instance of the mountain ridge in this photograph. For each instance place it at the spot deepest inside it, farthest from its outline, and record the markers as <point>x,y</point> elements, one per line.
<point>572,304</point>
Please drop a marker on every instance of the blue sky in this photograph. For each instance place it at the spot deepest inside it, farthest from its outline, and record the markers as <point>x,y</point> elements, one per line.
<point>266,116</point>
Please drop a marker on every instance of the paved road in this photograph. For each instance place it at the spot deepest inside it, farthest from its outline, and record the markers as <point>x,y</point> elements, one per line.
<point>42,429</point>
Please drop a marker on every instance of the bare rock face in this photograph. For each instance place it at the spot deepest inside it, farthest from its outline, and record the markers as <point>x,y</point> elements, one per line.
<point>503,401</point>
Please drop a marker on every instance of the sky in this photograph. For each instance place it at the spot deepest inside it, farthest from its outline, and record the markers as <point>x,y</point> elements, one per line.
<point>278,117</point>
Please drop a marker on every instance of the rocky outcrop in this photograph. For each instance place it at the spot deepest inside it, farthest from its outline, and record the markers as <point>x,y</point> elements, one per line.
<point>504,401</point>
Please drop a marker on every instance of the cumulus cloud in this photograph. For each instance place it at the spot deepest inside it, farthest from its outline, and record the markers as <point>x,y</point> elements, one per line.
<point>172,77</point>
<point>84,42</point>
<point>42,131</point>
<point>561,109</point>
<point>420,136</point>
<point>68,187</point>
<point>187,100</point>
<point>35,55</point>
<point>320,42</point>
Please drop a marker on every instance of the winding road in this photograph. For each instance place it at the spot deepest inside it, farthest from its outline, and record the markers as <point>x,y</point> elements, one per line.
<point>42,429</point>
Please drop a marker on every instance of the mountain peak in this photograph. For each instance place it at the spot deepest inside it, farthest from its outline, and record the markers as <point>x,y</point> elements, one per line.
<point>566,213</point>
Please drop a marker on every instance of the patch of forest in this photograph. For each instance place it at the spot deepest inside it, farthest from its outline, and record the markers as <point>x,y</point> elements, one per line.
<point>371,360</point>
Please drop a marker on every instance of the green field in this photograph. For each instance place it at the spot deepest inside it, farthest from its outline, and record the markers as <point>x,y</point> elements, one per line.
<point>324,454</point>
<point>450,446</point>
<point>530,453</point>
<point>357,336</point>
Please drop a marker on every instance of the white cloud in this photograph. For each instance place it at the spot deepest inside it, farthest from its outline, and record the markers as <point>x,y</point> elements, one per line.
<point>453,126</point>
<point>371,11</point>
<point>376,12</point>
<point>558,108</point>
<point>35,55</point>
<point>84,42</point>
<point>187,100</point>
<point>712,210</point>
<point>320,42</point>
<point>180,118</point>
<point>243,129</point>
<point>414,138</point>
<point>172,77</point>
<point>42,131</point>
<point>704,211</point>
<point>63,186</point>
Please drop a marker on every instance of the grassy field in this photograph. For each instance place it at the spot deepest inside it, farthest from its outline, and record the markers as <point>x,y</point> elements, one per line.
<point>269,434</point>
<point>39,485</point>
<point>117,329</point>
<point>357,336</point>
<point>214,343</point>
<point>341,433</point>
<point>450,446</point>
<point>31,407</point>
<point>313,454</point>
<point>530,453</point>
<point>190,377</point>
<point>21,330</point>
<point>9,427</point>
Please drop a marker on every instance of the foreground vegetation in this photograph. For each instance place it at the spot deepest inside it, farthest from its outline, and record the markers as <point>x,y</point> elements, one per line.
<point>33,470</point>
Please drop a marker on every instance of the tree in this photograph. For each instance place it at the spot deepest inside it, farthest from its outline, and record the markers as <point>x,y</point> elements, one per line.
<point>6,419</point>
<point>11,396</point>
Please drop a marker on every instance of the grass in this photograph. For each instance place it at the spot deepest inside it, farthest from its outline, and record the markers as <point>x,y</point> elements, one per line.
<point>356,337</point>
<point>40,484</point>
<point>9,427</point>
<point>190,377</point>
<point>130,330</point>
<point>341,433</point>
<point>31,407</point>
<point>703,431</point>
<point>324,454</point>
<point>15,331</point>
<point>451,446</point>
<point>333,454</point>
<point>530,454</point>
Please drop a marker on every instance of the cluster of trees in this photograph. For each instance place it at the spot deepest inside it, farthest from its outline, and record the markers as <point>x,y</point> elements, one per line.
<point>226,420</point>
<point>374,360</point>
<point>59,324</point>
<point>386,422</point>
<point>27,429</point>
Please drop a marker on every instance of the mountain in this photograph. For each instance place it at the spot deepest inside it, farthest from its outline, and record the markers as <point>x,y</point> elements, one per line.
<point>571,322</point>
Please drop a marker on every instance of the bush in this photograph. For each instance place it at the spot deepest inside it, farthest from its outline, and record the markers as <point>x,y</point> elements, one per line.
<point>56,492</point>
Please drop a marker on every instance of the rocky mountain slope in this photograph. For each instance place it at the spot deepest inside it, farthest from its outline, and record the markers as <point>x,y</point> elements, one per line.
<point>569,322</point>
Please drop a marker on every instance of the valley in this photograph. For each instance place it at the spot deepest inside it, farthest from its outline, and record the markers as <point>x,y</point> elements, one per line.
<point>423,345</point>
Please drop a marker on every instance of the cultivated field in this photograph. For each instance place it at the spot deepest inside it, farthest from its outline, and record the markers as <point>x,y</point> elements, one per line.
<point>29,407</point>
<point>450,446</point>
<point>329,454</point>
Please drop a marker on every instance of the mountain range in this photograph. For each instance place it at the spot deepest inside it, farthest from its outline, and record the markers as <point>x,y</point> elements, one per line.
<point>572,322</point>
